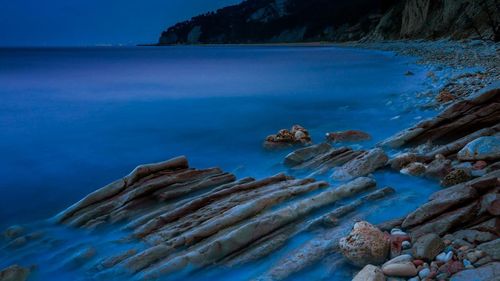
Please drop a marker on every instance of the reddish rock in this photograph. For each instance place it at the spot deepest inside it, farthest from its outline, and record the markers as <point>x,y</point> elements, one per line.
<point>285,138</point>
<point>451,267</point>
<point>494,207</point>
<point>479,165</point>
<point>418,262</point>
<point>365,245</point>
<point>347,136</point>
<point>396,244</point>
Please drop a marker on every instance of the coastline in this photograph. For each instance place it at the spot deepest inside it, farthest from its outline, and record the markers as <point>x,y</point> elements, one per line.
<point>469,86</point>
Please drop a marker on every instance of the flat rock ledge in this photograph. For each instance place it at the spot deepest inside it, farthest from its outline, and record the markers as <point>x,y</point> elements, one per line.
<point>183,219</point>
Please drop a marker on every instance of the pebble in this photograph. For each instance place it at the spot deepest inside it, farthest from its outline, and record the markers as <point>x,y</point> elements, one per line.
<point>442,276</point>
<point>445,257</point>
<point>418,262</point>
<point>424,273</point>
<point>406,269</point>
<point>414,279</point>
<point>406,245</point>
<point>397,231</point>
<point>467,264</point>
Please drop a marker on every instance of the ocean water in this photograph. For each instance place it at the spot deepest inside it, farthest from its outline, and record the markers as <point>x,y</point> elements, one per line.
<point>73,120</point>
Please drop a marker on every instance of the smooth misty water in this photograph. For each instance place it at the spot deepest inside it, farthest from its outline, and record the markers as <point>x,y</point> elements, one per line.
<point>73,120</point>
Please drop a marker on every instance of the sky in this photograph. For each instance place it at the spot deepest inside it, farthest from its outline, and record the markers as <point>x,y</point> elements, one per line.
<point>94,22</point>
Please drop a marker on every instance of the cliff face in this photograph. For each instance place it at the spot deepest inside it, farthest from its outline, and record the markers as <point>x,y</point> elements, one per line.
<point>274,21</point>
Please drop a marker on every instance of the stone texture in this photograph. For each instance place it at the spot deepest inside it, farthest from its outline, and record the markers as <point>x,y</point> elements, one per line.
<point>427,247</point>
<point>488,272</point>
<point>370,273</point>
<point>347,136</point>
<point>361,165</point>
<point>483,148</point>
<point>491,248</point>
<point>365,245</point>
<point>405,269</point>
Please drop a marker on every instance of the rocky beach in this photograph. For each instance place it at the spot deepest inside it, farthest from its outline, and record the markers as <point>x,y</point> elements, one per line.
<point>171,221</point>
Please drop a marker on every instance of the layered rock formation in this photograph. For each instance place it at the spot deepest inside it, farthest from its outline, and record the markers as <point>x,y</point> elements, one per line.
<point>268,21</point>
<point>175,219</point>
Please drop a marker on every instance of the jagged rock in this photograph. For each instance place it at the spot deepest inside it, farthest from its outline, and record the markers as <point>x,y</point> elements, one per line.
<point>347,136</point>
<point>365,245</point>
<point>457,121</point>
<point>361,165</point>
<point>455,177</point>
<point>414,169</point>
<point>427,247</point>
<point>405,269</point>
<point>304,154</point>
<point>488,272</point>
<point>298,135</point>
<point>370,273</point>
<point>14,273</point>
<point>483,148</point>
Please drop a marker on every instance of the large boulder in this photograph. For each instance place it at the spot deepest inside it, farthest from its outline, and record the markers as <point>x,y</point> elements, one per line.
<point>370,273</point>
<point>14,273</point>
<point>427,247</point>
<point>483,148</point>
<point>365,245</point>
<point>362,165</point>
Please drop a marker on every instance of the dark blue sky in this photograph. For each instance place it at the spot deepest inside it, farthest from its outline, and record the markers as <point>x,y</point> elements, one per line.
<point>92,22</point>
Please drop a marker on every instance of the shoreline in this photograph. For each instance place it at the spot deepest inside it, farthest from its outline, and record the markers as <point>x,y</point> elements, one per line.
<point>80,213</point>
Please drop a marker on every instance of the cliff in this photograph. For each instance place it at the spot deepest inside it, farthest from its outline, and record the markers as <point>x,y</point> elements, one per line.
<point>276,21</point>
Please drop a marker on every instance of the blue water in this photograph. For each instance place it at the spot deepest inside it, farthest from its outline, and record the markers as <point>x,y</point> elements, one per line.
<point>73,120</point>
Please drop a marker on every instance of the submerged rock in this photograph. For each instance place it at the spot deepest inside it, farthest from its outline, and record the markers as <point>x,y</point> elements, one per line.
<point>362,165</point>
<point>307,153</point>
<point>298,135</point>
<point>370,273</point>
<point>347,136</point>
<point>365,245</point>
<point>414,169</point>
<point>14,273</point>
<point>483,148</point>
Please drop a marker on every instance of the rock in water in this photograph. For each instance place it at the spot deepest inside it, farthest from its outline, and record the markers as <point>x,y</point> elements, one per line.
<point>370,273</point>
<point>347,136</point>
<point>298,135</point>
<point>427,247</point>
<point>414,169</point>
<point>14,273</point>
<point>304,154</point>
<point>365,245</point>
<point>362,165</point>
<point>483,148</point>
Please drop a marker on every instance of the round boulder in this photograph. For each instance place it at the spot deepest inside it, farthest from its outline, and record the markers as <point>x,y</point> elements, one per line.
<point>365,245</point>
